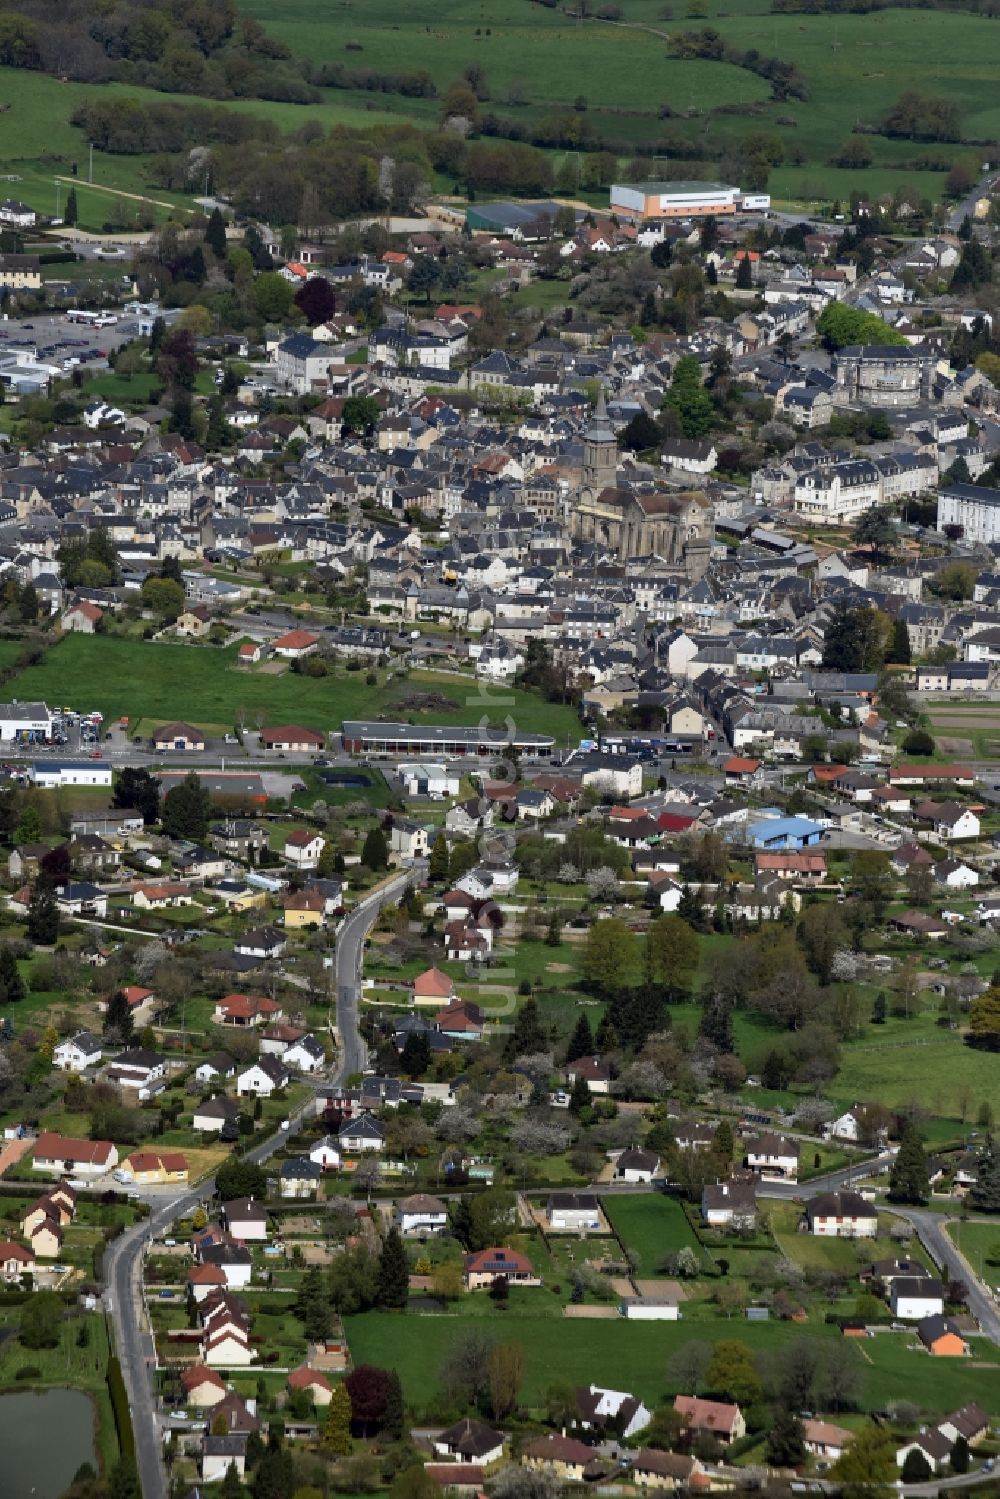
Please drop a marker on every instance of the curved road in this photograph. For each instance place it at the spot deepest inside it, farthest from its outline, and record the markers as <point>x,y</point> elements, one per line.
<point>124,1255</point>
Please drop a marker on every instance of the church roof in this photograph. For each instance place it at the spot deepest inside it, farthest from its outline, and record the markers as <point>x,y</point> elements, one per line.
<point>600,428</point>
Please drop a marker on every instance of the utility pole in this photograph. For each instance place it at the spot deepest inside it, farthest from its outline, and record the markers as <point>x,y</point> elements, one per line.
<point>90,176</point>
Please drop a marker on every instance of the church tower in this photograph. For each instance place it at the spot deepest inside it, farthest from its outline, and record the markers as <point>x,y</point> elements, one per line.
<point>600,453</point>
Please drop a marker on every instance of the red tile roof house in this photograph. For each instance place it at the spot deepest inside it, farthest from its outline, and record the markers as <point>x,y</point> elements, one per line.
<point>15,1261</point>
<point>741,772</point>
<point>202,1386</point>
<point>563,1456</point>
<point>711,1417</point>
<point>305,907</point>
<point>246,1010</point>
<point>919,775</point>
<point>62,1156</point>
<point>488,1265</point>
<point>160,897</point>
<point>295,644</point>
<point>793,866</point>
<point>431,987</point>
<point>316,1385</point>
<point>292,737</point>
<point>249,653</point>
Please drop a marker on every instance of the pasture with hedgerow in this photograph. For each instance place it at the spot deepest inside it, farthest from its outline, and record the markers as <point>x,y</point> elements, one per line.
<point>797,97</point>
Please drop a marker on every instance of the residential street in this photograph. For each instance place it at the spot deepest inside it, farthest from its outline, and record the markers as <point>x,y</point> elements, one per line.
<point>123,1259</point>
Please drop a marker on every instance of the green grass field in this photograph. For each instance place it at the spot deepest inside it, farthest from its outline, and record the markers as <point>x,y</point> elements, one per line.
<point>160,682</point>
<point>537,60</point>
<point>652,1227</point>
<point>633,1356</point>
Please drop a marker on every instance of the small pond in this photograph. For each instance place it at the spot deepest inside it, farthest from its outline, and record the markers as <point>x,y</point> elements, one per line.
<point>44,1437</point>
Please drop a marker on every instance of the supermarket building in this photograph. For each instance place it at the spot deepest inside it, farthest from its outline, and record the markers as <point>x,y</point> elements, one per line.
<point>683,200</point>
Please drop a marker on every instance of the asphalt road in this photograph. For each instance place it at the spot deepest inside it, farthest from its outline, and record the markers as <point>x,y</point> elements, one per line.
<point>123,1260</point>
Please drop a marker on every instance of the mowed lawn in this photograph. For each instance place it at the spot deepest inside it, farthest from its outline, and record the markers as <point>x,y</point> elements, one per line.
<point>633,1355</point>
<point>651,1226</point>
<point>141,679</point>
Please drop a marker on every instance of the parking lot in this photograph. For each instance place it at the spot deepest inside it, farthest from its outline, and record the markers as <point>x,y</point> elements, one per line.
<point>56,340</point>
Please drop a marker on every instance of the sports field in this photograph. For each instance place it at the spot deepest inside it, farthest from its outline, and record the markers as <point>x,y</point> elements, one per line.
<point>143,680</point>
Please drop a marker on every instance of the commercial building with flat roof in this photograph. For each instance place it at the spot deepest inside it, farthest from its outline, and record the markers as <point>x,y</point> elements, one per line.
<point>439,739</point>
<point>682,200</point>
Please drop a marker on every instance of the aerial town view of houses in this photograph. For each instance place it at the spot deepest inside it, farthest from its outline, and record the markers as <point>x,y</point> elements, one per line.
<point>499,749</point>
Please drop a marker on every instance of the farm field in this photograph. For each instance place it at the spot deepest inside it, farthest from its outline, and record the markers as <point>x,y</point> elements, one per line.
<point>633,1356</point>
<point>139,680</point>
<point>536,60</point>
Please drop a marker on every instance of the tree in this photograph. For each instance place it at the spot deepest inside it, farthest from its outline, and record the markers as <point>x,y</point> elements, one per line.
<point>984,1020</point>
<point>672,954</point>
<point>854,639</point>
<point>424,277</point>
<point>822,934</point>
<point>215,234</point>
<point>41,1319</point>
<point>316,301</point>
<point>732,1374</point>
<point>689,399</point>
<point>908,1179</point>
<point>744,274</point>
<point>840,324</point>
<point>164,596</point>
<point>439,859</point>
<point>505,1373</point>
<point>124,1482</point>
<point>272,297</point>
<point>876,529</point>
<point>368,1387</point>
<point>867,1468</point>
<point>360,414</point>
<point>916,1468</point>
<point>393,1272</point>
<point>118,1020</point>
<point>918,742</point>
<point>527,1037</point>
<point>177,360</point>
<point>187,808</point>
<point>785,1446</point>
<point>394,1419</point>
<point>12,987</point>
<point>335,1435</point>
<point>899,651</point>
<point>640,434</point>
<point>581,1042</point>
<point>218,433</point>
<point>375,850</point>
<point>27,605</point>
<point>579,1098</point>
<point>71,214</point>
<point>136,788</point>
<point>984,1194</point>
<point>609,955</point>
<point>414,1482</point>
<point>42,923</point>
<point>415,1058</point>
<point>960,1455</point>
<point>240,1178</point>
<point>231,1486</point>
